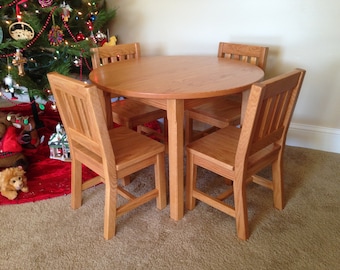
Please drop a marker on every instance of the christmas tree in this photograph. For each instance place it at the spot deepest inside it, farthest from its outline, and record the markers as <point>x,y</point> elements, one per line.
<point>40,36</point>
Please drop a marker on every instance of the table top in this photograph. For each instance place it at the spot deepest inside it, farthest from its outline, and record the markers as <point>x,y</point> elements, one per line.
<point>176,77</point>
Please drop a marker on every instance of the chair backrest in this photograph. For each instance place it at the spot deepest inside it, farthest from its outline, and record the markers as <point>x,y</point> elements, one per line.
<point>110,54</point>
<point>255,55</point>
<point>79,105</point>
<point>269,111</point>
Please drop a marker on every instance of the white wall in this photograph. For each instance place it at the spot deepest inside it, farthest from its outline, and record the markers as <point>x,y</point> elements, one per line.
<point>300,33</point>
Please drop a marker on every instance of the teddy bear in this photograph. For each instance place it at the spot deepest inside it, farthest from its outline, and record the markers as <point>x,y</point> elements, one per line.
<point>13,180</point>
<point>11,154</point>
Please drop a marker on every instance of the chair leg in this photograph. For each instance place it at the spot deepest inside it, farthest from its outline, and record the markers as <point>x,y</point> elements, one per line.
<point>241,212</point>
<point>190,182</point>
<point>76,184</point>
<point>160,181</point>
<point>110,209</point>
<point>126,180</point>
<point>228,182</point>
<point>165,128</point>
<point>139,129</point>
<point>278,189</point>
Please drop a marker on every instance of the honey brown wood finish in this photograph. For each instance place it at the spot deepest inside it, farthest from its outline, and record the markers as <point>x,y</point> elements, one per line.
<point>239,153</point>
<point>223,111</point>
<point>110,54</point>
<point>111,153</point>
<point>129,112</point>
<point>175,83</point>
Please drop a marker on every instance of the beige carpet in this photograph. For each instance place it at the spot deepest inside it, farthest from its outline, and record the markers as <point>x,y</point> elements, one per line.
<point>305,235</point>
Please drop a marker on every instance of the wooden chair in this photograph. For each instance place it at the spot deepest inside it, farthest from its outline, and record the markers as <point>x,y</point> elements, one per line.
<point>239,153</point>
<point>129,112</point>
<point>224,111</point>
<point>112,154</point>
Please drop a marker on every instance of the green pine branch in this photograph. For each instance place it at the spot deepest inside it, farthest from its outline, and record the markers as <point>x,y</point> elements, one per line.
<point>42,57</point>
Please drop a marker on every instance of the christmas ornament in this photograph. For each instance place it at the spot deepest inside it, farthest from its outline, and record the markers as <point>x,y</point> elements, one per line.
<point>101,38</point>
<point>65,15</point>
<point>45,3</point>
<point>80,36</point>
<point>55,36</point>
<point>21,31</point>
<point>10,85</point>
<point>77,61</point>
<point>92,17</point>
<point>19,61</point>
<point>92,38</point>
<point>8,80</point>
<point>89,25</point>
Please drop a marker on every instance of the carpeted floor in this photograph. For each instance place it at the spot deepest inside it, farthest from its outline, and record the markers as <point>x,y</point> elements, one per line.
<point>306,235</point>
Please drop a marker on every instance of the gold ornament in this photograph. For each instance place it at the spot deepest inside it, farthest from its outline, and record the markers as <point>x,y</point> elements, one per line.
<point>19,61</point>
<point>21,31</point>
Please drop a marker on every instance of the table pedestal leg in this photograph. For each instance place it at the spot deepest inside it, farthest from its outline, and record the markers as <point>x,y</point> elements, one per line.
<point>106,103</point>
<point>245,97</point>
<point>175,114</point>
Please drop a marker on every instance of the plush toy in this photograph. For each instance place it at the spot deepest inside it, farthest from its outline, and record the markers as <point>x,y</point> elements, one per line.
<point>112,42</point>
<point>10,149</point>
<point>13,180</point>
<point>28,136</point>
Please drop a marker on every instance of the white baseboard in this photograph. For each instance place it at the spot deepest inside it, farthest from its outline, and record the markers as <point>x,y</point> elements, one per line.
<point>307,136</point>
<point>314,137</point>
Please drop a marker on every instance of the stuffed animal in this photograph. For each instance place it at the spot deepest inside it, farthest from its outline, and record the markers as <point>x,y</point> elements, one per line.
<point>112,42</point>
<point>28,136</point>
<point>10,149</point>
<point>13,180</point>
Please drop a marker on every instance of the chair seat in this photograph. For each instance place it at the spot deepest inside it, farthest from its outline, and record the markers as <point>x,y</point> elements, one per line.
<point>220,148</point>
<point>220,145</point>
<point>131,113</point>
<point>125,142</point>
<point>219,113</point>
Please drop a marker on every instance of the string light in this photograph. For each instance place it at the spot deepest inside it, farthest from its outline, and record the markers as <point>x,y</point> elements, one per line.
<point>37,36</point>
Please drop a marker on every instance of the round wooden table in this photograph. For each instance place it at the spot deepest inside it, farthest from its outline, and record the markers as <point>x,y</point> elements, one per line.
<point>175,83</point>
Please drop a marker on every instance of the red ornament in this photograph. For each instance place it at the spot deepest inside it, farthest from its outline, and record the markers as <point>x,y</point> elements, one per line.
<point>80,36</point>
<point>89,25</point>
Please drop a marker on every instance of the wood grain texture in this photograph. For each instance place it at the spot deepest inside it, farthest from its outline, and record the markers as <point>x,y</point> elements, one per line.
<point>111,153</point>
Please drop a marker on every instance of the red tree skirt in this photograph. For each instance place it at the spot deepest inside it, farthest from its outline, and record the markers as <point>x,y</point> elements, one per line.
<point>47,178</point>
